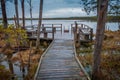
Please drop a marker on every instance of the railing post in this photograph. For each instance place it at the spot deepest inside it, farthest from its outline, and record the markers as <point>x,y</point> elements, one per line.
<point>44,31</point>
<point>61,28</point>
<point>79,38</point>
<point>45,34</point>
<point>91,35</point>
<point>42,25</point>
<point>81,25</point>
<point>52,31</point>
<point>71,27</point>
<point>75,33</point>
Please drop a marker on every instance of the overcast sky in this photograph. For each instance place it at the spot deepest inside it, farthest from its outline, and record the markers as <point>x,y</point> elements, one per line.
<point>51,8</point>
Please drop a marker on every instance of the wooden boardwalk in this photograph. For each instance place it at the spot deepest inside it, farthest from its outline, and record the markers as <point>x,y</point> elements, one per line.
<point>59,63</point>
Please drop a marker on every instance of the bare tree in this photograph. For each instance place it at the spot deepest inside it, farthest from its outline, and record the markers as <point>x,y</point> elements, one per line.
<point>0,7</point>
<point>102,14</point>
<point>30,4</point>
<point>7,45</point>
<point>4,15</point>
<point>39,24</point>
<point>23,13</point>
<point>16,11</point>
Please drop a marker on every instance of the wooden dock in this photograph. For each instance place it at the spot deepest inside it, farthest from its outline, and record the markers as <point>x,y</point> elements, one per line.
<point>59,63</point>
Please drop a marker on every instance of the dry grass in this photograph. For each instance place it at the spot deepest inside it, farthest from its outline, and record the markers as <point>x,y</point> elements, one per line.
<point>110,65</point>
<point>2,43</point>
<point>110,62</point>
<point>23,58</point>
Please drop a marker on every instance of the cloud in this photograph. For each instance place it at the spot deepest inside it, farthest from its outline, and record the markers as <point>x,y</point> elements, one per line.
<point>72,1</point>
<point>64,12</point>
<point>51,8</point>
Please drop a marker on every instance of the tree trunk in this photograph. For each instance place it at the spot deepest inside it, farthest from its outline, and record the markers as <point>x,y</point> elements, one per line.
<point>16,11</point>
<point>23,13</point>
<point>31,13</point>
<point>119,25</point>
<point>30,4</point>
<point>5,23</point>
<point>102,13</point>
<point>4,15</point>
<point>9,56</point>
<point>39,24</point>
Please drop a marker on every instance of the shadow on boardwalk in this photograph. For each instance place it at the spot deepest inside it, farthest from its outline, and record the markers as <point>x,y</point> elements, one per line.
<point>59,63</point>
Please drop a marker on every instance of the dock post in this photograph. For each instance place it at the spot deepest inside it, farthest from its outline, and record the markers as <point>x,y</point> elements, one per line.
<point>42,25</point>
<point>75,33</point>
<point>45,34</point>
<point>53,29</point>
<point>71,29</point>
<point>43,29</point>
<point>78,38</point>
<point>91,35</point>
<point>81,25</point>
<point>61,28</point>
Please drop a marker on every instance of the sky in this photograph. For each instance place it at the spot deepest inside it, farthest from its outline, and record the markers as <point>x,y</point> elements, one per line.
<point>51,9</point>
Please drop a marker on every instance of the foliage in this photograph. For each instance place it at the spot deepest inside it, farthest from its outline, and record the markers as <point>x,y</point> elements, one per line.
<point>4,74</point>
<point>113,18</point>
<point>17,36</point>
<point>114,7</point>
<point>91,6</point>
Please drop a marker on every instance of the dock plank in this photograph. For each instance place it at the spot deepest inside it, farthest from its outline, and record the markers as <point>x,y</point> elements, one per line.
<point>59,63</point>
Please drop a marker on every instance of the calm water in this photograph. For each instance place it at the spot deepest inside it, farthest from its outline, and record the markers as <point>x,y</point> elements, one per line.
<point>67,23</point>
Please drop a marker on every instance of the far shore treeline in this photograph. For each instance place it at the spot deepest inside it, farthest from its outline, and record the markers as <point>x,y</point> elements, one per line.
<point>91,18</point>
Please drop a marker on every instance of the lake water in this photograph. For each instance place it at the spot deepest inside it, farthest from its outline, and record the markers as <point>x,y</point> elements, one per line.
<point>67,23</point>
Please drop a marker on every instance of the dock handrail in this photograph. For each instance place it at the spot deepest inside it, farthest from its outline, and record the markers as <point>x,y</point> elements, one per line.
<point>55,26</point>
<point>45,29</point>
<point>82,32</point>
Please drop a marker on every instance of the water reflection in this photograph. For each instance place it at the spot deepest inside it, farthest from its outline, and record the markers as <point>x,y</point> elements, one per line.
<point>15,68</point>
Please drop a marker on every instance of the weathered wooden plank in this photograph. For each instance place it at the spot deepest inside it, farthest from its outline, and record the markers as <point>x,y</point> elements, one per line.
<point>59,63</point>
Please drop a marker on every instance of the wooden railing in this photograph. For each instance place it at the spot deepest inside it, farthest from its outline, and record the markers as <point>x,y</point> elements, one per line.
<point>46,29</point>
<point>55,26</point>
<point>82,32</point>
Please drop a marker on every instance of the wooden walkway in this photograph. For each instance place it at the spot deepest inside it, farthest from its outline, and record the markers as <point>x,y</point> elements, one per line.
<point>59,63</point>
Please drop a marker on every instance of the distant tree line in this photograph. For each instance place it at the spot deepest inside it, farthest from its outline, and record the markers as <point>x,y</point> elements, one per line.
<point>90,18</point>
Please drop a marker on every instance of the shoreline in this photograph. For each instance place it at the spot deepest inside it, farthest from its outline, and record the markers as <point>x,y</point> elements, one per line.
<point>92,18</point>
